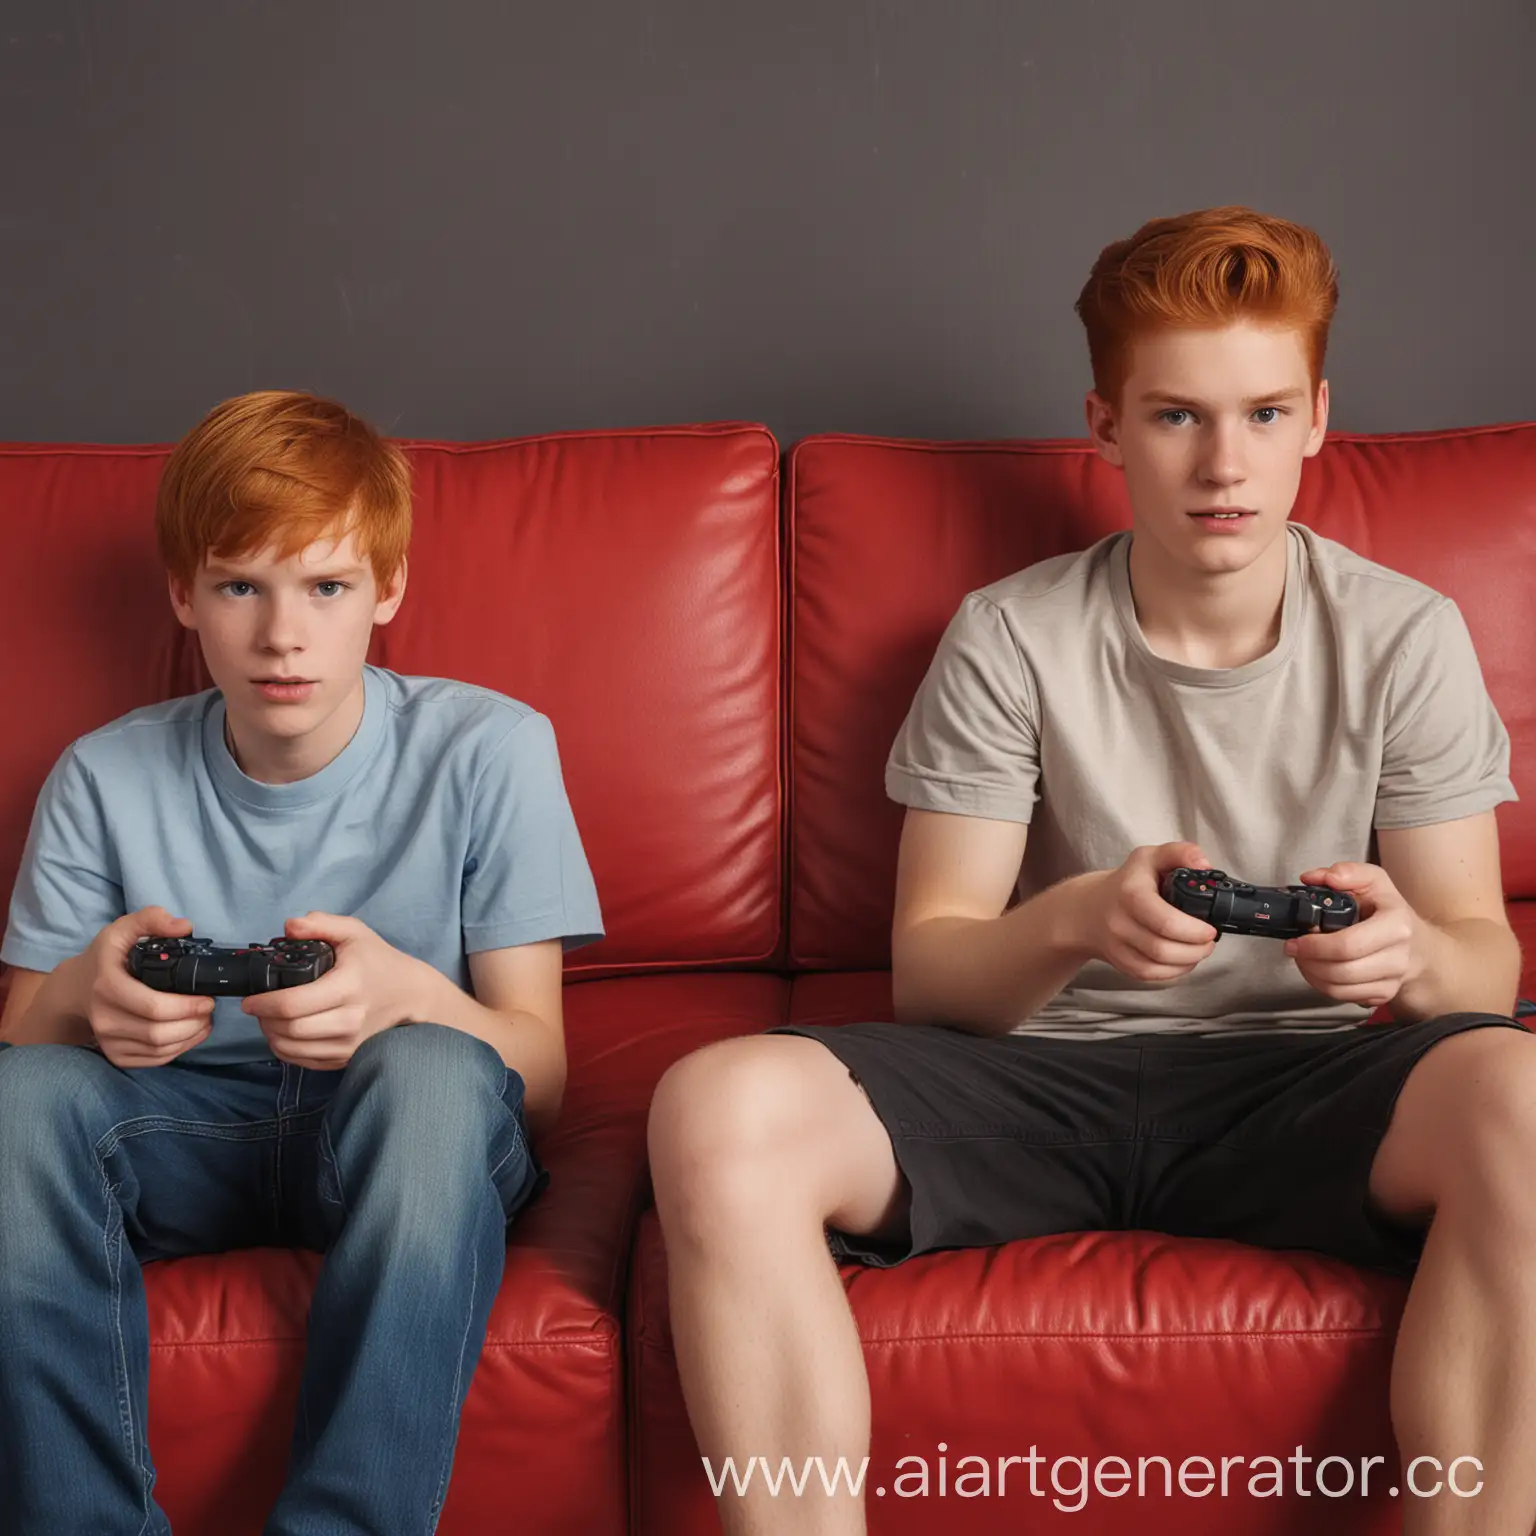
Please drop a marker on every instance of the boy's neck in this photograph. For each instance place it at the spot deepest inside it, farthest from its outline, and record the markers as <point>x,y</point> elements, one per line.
<point>1215,620</point>
<point>286,760</point>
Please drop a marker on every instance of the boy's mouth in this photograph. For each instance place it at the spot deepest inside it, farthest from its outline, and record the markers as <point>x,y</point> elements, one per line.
<point>284,688</point>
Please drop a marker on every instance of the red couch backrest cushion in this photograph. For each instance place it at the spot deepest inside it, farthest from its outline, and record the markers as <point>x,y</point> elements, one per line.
<point>887,536</point>
<point>625,583</point>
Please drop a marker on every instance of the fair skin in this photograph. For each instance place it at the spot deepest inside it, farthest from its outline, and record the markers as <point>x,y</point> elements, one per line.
<point>758,1144</point>
<point>305,616</point>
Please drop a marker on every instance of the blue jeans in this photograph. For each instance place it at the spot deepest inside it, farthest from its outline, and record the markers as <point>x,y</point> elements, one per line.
<point>404,1169</point>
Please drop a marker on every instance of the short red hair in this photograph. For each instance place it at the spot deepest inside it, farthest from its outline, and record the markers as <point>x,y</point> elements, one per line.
<point>1205,269</point>
<point>282,468</point>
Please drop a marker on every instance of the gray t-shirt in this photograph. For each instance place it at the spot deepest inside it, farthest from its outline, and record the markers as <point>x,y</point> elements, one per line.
<point>1045,704</point>
<point>443,825</point>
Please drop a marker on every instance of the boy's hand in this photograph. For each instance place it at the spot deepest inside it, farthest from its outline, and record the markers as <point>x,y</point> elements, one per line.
<point>134,1025</point>
<point>1369,961</point>
<point>1129,925</point>
<point>321,1023</point>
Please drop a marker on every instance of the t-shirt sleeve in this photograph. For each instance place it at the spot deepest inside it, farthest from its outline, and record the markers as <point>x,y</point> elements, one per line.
<point>68,887</point>
<point>970,743</point>
<point>1445,751</point>
<point>526,876</point>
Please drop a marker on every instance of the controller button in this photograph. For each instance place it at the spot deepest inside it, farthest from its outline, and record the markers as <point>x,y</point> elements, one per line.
<point>164,956</point>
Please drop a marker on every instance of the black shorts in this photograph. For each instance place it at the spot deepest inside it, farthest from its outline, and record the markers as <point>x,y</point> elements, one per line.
<point>1266,1139</point>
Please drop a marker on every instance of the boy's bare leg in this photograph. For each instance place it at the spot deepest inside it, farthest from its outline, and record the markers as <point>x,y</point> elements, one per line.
<point>1462,1145</point>
<point>756,1145</point>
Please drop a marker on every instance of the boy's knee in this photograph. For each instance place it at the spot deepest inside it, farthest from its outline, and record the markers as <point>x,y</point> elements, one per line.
<point>1464,1132</point>
<point>726,1097</point>
<point>728,1124</point>
<point>427,1067</point>
<point>418,1109</point>
<point>1498,1108</point>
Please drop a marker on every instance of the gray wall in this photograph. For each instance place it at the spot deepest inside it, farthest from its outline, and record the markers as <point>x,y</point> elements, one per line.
<point>478,218</point>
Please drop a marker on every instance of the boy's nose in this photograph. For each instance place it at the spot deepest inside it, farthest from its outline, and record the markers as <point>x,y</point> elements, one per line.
<point>280,629</point>
<point>1223,462</point>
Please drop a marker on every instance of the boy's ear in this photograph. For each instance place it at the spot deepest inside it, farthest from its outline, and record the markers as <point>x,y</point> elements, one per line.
<point>1319,421</point>
<point>392,594</point>
<point>181,601</point>
<point>1103,429</point>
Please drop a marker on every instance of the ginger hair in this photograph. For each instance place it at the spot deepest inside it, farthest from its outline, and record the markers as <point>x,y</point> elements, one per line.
<point>282,468</point>
<point>1214,267</point>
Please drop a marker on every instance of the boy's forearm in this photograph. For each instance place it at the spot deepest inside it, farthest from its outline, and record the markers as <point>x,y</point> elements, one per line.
<point>531,1046</point>
<point>988,974</point>
<point>58,1013</point>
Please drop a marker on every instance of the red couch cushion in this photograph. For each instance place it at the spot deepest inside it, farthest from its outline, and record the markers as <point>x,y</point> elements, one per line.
<point>543,1441</point>
<point>1125,1344</point>
<point>625,583</point>
<point>1096,1345</point>
<point>887,536</point>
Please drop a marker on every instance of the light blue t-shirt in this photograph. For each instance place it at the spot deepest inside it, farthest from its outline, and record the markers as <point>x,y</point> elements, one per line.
<point>443,825</point>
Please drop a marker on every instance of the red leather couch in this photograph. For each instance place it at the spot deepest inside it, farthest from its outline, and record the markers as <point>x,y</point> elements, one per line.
<point>725,668</point>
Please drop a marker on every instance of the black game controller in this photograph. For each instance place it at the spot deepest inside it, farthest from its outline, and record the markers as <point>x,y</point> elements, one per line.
<point>201,968</point>
<point>1266,911</point>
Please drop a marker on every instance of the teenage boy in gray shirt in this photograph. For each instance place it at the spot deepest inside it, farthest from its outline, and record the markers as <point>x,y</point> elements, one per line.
<point>381,1113</point>
<point>1216,687</point>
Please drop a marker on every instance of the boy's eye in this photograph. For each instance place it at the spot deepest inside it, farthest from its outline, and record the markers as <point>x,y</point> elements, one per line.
<point>1169,414</point>
<point>337,584</point>
<point>1272,412</point>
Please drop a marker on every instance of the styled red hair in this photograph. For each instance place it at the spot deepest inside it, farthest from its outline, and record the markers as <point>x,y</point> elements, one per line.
<point>1206,269</point>
<point>282,468</point>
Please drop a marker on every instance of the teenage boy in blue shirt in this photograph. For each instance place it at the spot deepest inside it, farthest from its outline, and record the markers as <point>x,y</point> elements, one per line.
<point>381,1113</point>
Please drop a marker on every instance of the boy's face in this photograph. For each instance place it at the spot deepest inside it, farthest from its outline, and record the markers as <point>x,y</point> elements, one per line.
<point>307,619</point>
<point>1211,419</point>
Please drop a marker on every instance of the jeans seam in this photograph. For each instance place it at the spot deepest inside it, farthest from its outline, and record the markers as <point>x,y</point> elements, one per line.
<point>112,1219</point>
<point>517,1129</point>
<point>126,1130</point>
<point>328,1152</point>
<point>277,1152</point>
<point>517,1146</point>
<point>451,1433</point>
